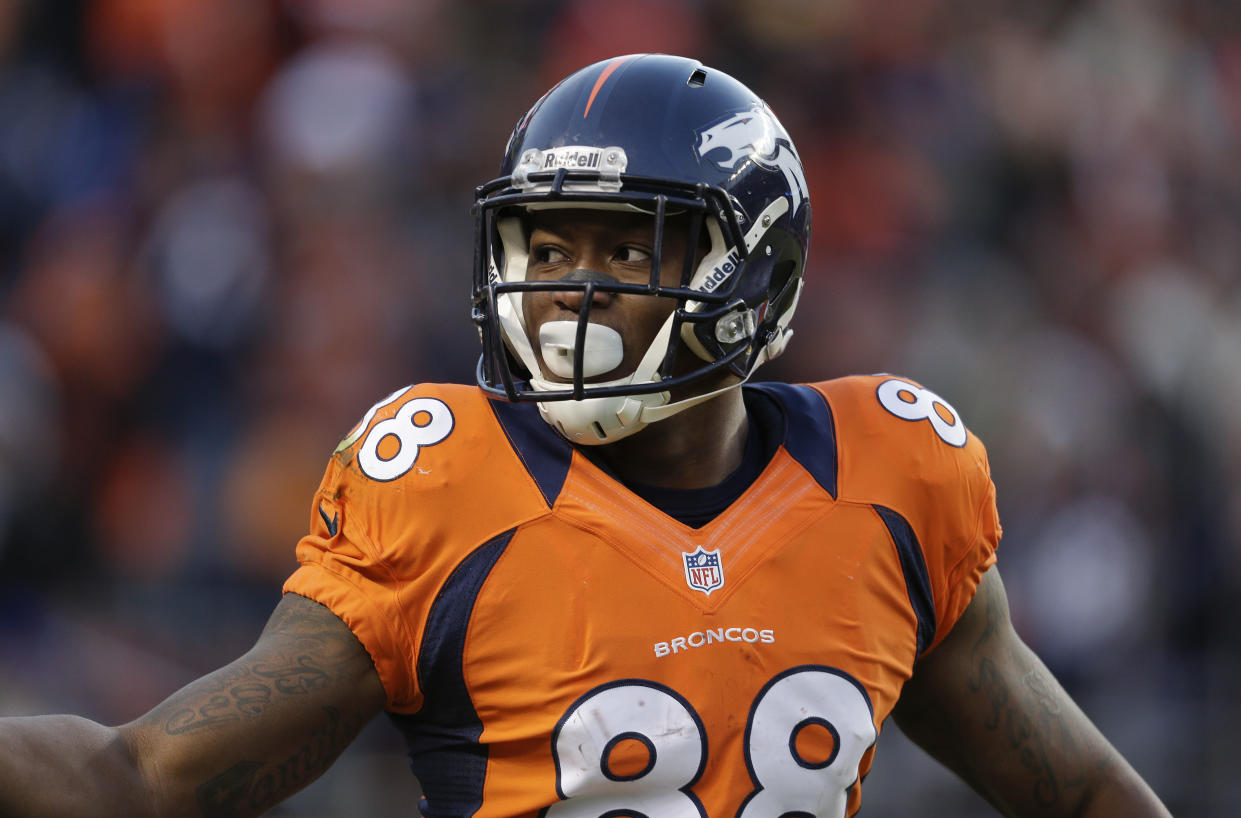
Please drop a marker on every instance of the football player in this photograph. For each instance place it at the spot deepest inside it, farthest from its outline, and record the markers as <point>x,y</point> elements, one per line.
<point>616,577</point>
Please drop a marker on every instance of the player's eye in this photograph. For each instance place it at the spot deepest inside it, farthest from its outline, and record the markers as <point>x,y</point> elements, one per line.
<point>632,255</point>
<point>547,254</point>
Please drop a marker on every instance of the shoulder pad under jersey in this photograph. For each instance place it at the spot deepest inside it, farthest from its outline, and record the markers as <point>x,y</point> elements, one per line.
<point>441,459</point>
<point>905,451</point>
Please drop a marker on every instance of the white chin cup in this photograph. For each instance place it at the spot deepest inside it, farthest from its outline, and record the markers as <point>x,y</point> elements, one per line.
<point>596,421</point>
<point>603,348</point>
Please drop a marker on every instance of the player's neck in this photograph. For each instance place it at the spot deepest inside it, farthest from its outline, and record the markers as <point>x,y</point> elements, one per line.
<point>696,448</point>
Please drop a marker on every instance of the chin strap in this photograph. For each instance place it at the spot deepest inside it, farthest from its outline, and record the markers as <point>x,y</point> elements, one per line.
<point>596,421</point>
<point>650,414</point>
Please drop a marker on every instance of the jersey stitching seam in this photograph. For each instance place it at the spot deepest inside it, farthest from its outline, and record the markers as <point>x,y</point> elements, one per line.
<point>363,540</point>
<point>977,533</point>
<point>716,603</point>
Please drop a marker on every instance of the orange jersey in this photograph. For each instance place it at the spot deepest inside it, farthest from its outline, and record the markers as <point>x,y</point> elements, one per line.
<point>552,645</point>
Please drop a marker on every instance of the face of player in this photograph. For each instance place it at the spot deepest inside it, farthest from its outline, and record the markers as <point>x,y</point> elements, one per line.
<point>608,246</point>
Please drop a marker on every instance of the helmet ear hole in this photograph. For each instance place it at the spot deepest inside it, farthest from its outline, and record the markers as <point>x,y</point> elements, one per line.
<point>783,288</point>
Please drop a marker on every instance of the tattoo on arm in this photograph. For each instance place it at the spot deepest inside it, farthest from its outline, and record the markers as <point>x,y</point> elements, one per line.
<point>248,699</point>
<point>245,689</point>
<point>1035,734</point>
<point>275,719</point>
<point>250,787</point>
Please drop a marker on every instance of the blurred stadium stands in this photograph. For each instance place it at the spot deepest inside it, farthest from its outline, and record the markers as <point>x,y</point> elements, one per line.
<point>228,226</point>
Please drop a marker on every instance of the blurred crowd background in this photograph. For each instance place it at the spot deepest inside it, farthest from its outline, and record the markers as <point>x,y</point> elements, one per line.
<point>229,226</point>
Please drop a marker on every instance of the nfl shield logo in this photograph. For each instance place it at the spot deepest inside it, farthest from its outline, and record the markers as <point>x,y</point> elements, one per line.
<point>703,570</point>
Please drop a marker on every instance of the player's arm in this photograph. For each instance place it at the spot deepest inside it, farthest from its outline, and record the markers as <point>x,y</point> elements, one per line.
<point>985,706</point>
<point>233,743</point>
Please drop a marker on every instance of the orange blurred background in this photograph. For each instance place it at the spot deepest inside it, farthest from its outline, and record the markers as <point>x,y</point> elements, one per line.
<point>228,226</point>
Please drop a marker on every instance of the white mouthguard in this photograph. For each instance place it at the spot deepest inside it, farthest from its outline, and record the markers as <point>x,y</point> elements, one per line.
<point>604,349</point>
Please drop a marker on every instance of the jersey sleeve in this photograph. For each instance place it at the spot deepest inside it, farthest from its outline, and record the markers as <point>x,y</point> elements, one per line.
<point>906,451</point>
<point>343,568</point>
<point>961,567</point>
<point>404,499</point>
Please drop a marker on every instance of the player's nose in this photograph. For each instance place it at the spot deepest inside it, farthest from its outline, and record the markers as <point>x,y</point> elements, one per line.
<point>573,299</point>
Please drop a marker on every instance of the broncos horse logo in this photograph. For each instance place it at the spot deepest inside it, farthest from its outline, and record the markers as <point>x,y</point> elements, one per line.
<point>755,134</point>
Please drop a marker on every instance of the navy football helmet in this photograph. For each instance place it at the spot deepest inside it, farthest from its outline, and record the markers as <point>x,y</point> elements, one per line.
<point>660,135</point>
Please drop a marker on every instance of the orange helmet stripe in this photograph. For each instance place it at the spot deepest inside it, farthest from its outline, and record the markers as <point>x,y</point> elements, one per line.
<point>603,77</point>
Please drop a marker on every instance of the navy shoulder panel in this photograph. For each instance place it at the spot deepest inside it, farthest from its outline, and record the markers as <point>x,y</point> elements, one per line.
<point>810,432</point>
<point>917,578</point>
<point>545,454</point>
<point>442,738</point>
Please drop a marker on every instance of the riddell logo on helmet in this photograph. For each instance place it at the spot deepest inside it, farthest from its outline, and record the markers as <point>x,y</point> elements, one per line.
<point>572,157</point>
<point>720,272</point>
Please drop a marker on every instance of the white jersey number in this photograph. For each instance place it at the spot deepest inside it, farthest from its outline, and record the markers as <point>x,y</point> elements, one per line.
<point>421,422</point>
<point>796,707</point>
<point>659,727</point>
<point>807,732</point>
<point>367,418</point>
<point>910,402</point>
